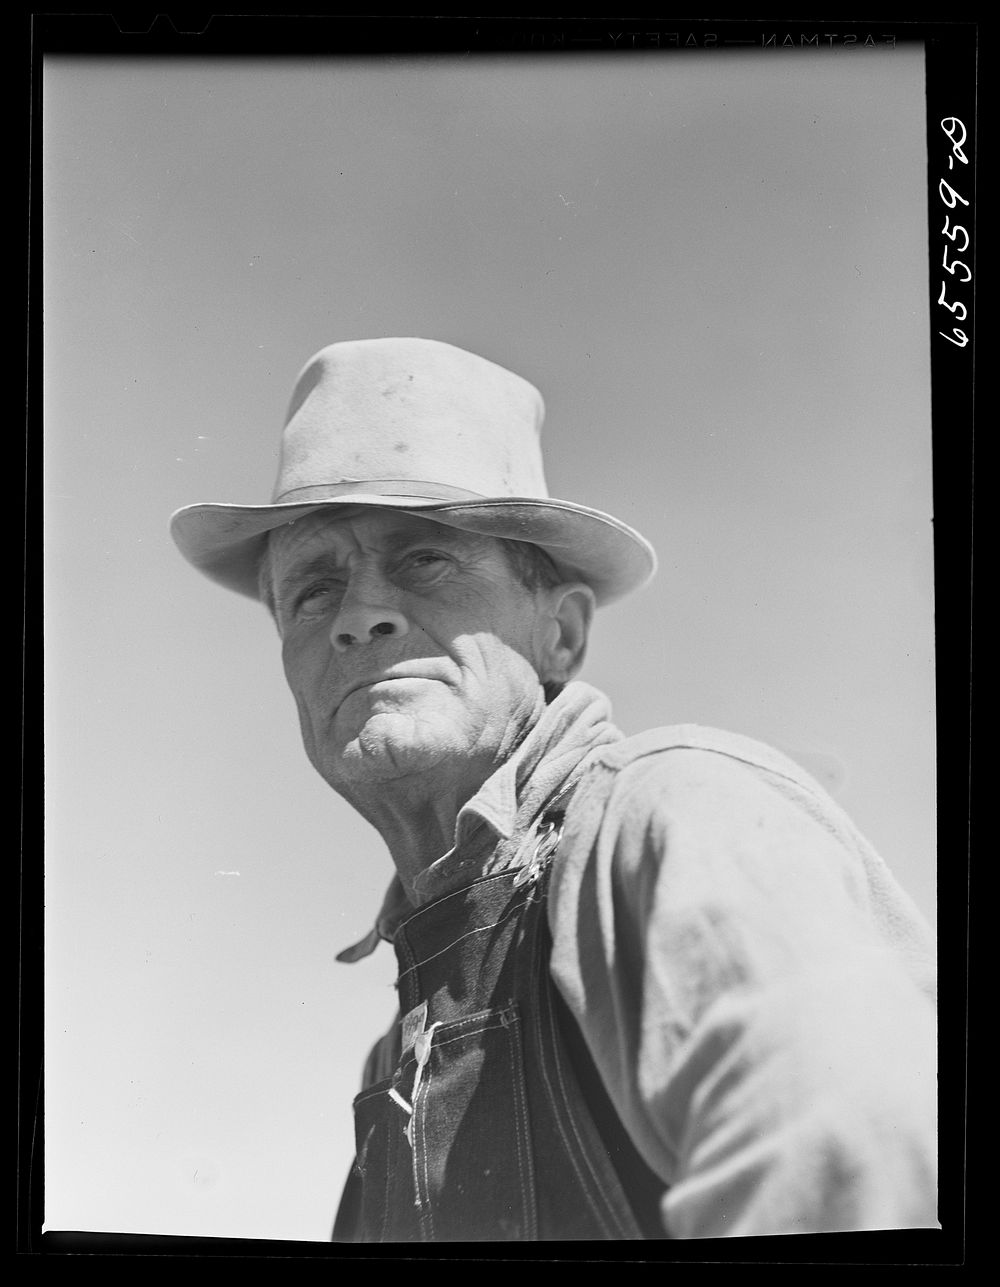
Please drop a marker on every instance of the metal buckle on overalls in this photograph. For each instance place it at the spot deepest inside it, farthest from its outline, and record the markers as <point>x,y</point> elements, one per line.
<point>547,841</point>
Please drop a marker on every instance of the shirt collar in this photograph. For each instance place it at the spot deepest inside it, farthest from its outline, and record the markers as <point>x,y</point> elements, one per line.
<point>492,826</point>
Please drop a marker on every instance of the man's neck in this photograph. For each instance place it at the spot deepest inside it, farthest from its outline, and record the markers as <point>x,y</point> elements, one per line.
<point>417,825</point>
<point>416,815</point>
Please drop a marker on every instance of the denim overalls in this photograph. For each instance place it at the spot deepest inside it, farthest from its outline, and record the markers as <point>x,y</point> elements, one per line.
<point>484,1131</point>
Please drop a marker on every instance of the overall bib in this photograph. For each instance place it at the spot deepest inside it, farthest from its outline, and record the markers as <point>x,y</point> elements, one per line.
<point>487,1129</point>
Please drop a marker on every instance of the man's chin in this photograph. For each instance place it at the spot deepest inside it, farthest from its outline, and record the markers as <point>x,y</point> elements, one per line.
<point>393,746</point>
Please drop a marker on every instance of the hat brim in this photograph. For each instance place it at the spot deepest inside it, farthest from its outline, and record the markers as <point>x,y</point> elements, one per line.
<point>226,542</point>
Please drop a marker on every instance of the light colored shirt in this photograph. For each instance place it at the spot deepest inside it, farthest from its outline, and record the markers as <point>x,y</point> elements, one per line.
<point>755,988</point>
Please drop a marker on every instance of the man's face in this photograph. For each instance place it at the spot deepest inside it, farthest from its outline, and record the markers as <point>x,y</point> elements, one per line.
<point>407,645</point>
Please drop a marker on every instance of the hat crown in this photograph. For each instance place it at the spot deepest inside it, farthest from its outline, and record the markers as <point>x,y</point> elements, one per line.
<point>422,416</point>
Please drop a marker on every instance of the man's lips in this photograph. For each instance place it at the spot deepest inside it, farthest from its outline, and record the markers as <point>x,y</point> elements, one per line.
<point>370,681</point>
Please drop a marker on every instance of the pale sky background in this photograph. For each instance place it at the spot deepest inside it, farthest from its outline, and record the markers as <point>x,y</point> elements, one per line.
<point>713,266</point>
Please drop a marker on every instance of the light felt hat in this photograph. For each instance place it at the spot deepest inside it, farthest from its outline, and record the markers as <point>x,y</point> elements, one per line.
<point>417,425</point>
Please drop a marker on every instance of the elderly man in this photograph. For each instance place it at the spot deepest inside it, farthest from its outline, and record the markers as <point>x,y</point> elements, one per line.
<point>655,986</point>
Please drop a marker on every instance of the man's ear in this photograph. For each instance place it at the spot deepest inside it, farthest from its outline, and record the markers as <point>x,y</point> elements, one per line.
<point>570,610</point>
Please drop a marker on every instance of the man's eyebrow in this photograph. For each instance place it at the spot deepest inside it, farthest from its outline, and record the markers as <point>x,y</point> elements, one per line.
<point>406,538</point>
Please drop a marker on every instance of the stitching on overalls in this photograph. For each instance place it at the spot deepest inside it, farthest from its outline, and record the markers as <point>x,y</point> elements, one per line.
<point>608,1209</point>
<point>521,1133</point>
<point>570,1151</point>
<point>390,1170</point>
<point>479,930</point>
<point>422,1192</point>
<point>544,1003</point>
<point>426,1208</point>
<point>471,1032</point>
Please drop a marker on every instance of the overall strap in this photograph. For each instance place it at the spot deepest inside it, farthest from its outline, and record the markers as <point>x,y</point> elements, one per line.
<point>642,1187</point>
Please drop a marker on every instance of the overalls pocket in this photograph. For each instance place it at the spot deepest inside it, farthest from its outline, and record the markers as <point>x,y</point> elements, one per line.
<point>449,1142</point>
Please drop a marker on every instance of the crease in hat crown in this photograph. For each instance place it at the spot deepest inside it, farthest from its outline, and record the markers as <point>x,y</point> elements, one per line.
<point>423,425</point>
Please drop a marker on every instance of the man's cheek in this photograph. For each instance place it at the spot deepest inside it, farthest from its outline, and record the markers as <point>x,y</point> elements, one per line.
<point>307,727</point>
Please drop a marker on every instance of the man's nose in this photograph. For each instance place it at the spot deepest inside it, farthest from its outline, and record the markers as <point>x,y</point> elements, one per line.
<point>366,613</point>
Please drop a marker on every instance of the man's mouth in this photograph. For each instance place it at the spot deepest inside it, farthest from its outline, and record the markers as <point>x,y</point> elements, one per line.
<point>375,680</point>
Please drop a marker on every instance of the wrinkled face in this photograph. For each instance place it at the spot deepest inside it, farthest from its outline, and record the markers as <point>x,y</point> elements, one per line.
<point>408,645</point>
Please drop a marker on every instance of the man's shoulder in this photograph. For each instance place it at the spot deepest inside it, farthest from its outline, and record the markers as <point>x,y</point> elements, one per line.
<point>709,777</point>
<point>695,748</point>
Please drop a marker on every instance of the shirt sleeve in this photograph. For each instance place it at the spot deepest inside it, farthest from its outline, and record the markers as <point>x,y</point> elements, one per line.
<point>769,1051</point>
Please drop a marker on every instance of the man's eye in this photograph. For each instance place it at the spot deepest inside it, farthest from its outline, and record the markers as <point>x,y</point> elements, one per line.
<point>424,562</point>
<point>316,598</point>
